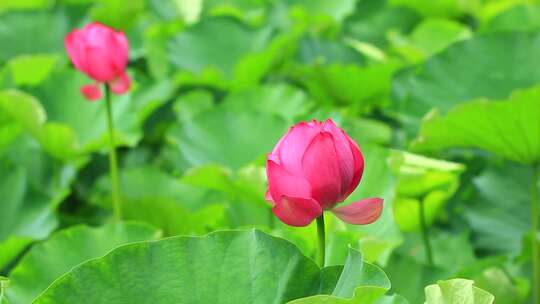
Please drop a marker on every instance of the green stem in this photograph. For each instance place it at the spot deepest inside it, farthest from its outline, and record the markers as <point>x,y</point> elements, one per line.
<point>534,232</point>
<point>113,165</point>
<point>321,235</point>
<point>425,234</point>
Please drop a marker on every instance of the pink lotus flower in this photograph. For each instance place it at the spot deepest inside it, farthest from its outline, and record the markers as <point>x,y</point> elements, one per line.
<point>311,169</point>
<point>101,53</point>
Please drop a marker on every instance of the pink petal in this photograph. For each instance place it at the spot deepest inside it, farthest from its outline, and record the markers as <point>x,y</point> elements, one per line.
<point>99,66</point>
<point>282,183</point>
<point>344,153</point>
<point>96,34</point>
<point>358,167</point>
<point>91,92</point>
<point>321,169</point>
<point>112,45</point>
<point>291,148</point>
<point>75,47</point>
<point>119,49</point>
<point>362,212</point>
<point>122,41</point>
<point>121,84</point>
<point>297,212</point>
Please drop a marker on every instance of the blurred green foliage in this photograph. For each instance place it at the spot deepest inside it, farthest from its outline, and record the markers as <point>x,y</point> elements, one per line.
<point>442,97</point>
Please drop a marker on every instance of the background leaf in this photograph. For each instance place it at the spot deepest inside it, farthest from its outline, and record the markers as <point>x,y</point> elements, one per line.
<point>452,76</point>
<point>480,124</point>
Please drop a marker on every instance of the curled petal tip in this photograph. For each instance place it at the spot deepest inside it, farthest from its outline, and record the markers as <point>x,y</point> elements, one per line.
<point>91,92</point>
<point>121,84</point>
<point>298,212</point>
<point>363,212</point>
<point>268,197</point>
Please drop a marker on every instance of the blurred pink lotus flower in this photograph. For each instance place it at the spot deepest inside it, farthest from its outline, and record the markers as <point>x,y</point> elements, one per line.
<point>101,53</point>
<point>312,168</point>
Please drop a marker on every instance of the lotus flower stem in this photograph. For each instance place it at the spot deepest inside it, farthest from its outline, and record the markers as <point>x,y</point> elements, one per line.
<point>534,232</point>
<point>321,235</point>
<point>425,234</point>
<point>113,165</point>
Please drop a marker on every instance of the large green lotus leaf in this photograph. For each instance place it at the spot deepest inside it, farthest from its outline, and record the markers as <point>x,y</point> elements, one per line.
<point>49,260</point>
<point>498,212</point>
<point>153,196</point>
<point>509,129</point>
<point>31,69</point>
<point>489,66</point>
<point>252,68</point>
<point>188,105</point>
<point>313,50</point>
<point>221,267</point>
<point>441,8</point>
<point>519,17</point>
<point>215,43</point>
<point>170,10</point>
<point>457,291</point>
<point>31,185</point>
<point>117,13</point>
<point>8,5</point>
<point>88,119</point>
<point>428,38</point>
<point>280,99</point>
<point>373,20</point>
<point>229,138</point>
<point>248,11</point>
<point>347,84</point>
<point>367,131</point>
<point>25,110</point>
<point>247,70</point>
<point>29,37</point>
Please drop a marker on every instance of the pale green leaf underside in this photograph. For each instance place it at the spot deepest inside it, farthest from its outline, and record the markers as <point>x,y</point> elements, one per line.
<point>457,291</point>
